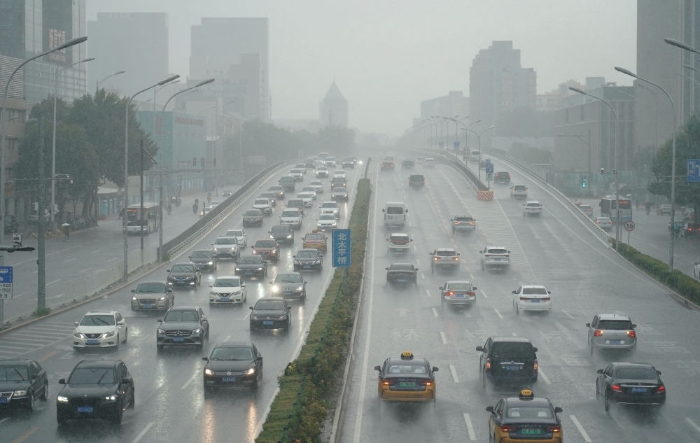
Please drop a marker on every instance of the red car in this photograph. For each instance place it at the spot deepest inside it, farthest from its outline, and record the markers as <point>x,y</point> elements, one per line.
<point>268,249</point>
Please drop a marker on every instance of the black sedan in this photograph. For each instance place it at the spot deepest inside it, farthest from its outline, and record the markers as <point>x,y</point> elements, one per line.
<point>233,364</point>
<point>22,383</point>
<point>631,384</point>
<point>270,313</point>
<point>402,273</point>
<point>253,217</point>
<point>251,266</point>
<point>183,275</point>
<point>205,259</point>
<point>289,285</point>
<point>95,389</point>
<point>308,259</point>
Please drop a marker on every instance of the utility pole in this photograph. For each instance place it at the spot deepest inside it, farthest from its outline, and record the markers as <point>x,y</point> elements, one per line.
<point>141,218</point>
<point>41,219</point>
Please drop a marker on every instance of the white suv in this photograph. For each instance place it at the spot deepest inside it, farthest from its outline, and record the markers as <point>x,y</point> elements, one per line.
<point>292,217</point>
<point>495,257</point>
<point>532,208</point>
<point>330,207</point>
<point>446,258</point>
<point>100,329</point>
<point>263,205</point>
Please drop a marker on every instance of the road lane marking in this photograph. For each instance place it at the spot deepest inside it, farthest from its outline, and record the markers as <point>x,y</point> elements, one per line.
<point>427,292</point>
<point>568,315</point>
<point>143,433</point>
<point>580,429</point>
<point>26,435</point>
<point>55,281</point>
<point>454,373</point>
<point>417,263</point>
<point>84,270</point>
<point>435,314</point>
<point>71,259</point>
<point>497,313</point>
<point>190,380</point>
<point>422,276</point>
<point>544,377</point>
<point>2,420</point>
<point>470,428</point>
<point>96,251</point>
<point>113,259</point>
<point>443,337</point>
<point>483,294</point>
<point>46,357</point>
<point>692,423</point>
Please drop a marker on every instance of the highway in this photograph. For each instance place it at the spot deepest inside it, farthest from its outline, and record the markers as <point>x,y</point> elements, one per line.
<point>556,250</point>
<point>170,403</point>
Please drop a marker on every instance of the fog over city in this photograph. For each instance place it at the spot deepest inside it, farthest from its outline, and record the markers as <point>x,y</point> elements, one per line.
<point>386,56</point>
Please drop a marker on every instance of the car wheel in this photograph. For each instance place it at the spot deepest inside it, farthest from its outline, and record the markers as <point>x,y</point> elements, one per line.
<point>607,401</point>
<point>597,392</point>
<point>483,380</point>
<point>119,339</point>
<point>61,420</point>
<point>590,344</point>
<point>31,404</point>
<point>483,267</point>
<point>159,348</point>
<point>117,418</point>
<point>45,394</point>
<point>516,308</point>
<point>132,404</point>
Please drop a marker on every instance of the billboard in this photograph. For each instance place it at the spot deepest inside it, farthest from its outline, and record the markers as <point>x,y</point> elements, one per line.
<point>57,29</point>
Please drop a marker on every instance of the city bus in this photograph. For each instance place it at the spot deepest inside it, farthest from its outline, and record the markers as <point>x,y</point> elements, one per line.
<point>608,208</point>
<point>142,223</point>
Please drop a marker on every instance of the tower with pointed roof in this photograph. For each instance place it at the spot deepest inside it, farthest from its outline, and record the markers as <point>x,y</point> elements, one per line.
<point>334,108</point>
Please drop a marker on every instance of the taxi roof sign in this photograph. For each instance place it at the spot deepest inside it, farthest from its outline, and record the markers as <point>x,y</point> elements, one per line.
<point>526,394</point>
<point>406,355</point>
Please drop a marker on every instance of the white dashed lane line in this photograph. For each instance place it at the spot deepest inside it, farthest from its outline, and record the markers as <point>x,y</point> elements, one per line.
<point>498,313</point>
<point>568,315</point>
<point>443,337</point>
<point>483,294</point>
<point>470,427</point>
<point>693,424</point>
<point>544,377</point>
<point>580,429</point>
<point>435,313</point>
<point>454,373</point>
<point>427,292</point>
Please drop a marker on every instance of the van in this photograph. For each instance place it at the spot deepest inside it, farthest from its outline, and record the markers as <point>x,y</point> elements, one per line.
<point>475,156</point>
<point>296,203</point>
<point>288,183</point>
<point>291,217</point>
<point>394,214</point>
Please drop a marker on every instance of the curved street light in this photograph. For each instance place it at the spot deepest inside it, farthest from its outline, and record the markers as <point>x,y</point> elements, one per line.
<point>478,137</point>
<point>97,82</point>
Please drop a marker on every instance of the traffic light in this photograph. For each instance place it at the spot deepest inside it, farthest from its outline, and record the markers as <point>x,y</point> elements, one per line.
<point>584,181</point>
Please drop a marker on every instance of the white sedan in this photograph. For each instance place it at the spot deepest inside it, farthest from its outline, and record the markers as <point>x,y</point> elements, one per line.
<point>604,223</point>
<point>100,329</point>
<point>531,298</point>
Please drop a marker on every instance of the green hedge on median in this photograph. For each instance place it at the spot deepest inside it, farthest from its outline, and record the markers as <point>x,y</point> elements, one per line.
<point>298,411</point>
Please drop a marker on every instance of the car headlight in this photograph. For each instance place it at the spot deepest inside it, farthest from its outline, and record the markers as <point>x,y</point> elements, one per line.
<point>197,331</point>
<point>77,335</point>
<point>297,262</point>
<point>62,399</point>
<point>162,298</point>
<point>237,268</point>
<point>208,372</point>
<point>21,393</point>
<point>111,398</point>
<point>210,263</point>
<point>300,288</point>
<point>289,236</point>
<point>254,317</point>
<point>275,288</point>
<point>160,331</point>
<point>134,298</point>
<point>250,371</point>
<point>282,317</point>
<point>108,334</point>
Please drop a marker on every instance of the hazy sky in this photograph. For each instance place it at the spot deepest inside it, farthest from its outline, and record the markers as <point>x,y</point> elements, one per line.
<point>386,56</point>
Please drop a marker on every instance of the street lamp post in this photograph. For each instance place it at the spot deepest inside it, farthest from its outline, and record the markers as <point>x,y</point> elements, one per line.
<point>160,171</point>
<point>56,72</point>
<point>587,141</point>
<point>478,138</point>
<point>673,148</point>
<point>126,172</point>
<point>616,173</point>
<point>459,121</point>
<point>97,82</point>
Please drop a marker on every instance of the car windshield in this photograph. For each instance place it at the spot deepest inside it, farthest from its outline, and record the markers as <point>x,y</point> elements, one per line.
<point>497,251</point>
<point>201,254</point>
<point>394,210</point>
<point>265,244</point>
<point>307,254</point>
<point>529,412</point>
<point>231,353</point>
<point>227,282</point>
<point>252,213</point>
<point>320,237</point>
<point>262,201</point>
<point>615,325</point>
<point>604,220</point>
<point>517,351</point>
<point>290,213</point>
<point>327,216</point>
<point>288,278</point>
<point>150,287</point>
<point>329,206</point>
<point>92,376</point>
<point>339,190</point>
<point>268,305</point>
<point>13,373</point>
<point>541,291</point>
<point>225,241</point>
<point>234,233</point>
<point>408,368</point>
<point>446,253</point>
<point>308,189</point>
<point>253,259</point>
<point>401,267</point>
<point>461,219</point>
<point>278,229</point>
<point>459,286</point>
<point>180,315</point>
<point>519,187</point>
<point>636,374</point>
<point>98,320</point>
<point>182,268</point>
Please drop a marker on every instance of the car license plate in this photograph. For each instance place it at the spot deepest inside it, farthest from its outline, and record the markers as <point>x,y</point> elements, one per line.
<point>460,295</point>
<point>512,367</point>
<point>228,379</point>
<point>407,384</point>
<point>307,266</point>
<point>287,293</point>
<point>268,323</point>
<point>535,300</point>
<point>639,390</point>
<point>93,342</point>
<point>3,400</point>
<point>178,339</point>
<point>496,259</point>
<point>249,272</point>
<point>85,409</point>
<point>147,306</point>
<point>224,299</point>
<point>614,342</point>
<point>526,431</point>
<point>401,280</point>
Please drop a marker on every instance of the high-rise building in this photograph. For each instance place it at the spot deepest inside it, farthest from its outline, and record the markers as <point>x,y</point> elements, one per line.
<point>28,28</point>
<point>235,49</point>
<point>333,109</point>
<point>133,42</point>
<point>498,84</point>
<point>450,105</point>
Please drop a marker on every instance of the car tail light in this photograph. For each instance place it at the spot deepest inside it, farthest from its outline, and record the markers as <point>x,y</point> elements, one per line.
<point>661,389</point>
<point>471,293</point>
<point>535,365</point>
<point>471,223</point>
<point>458,223</point>
<point>488,364</point>
<point>427,382</point>
<point>449,293</point>
<point>385,383</point>
<point>508,428</point>
<point>598,333</point>
<point>554,428</point>
<point>524,299</point>
<point>546,299</point>
<point>455,258</point>
<point>616,388</point>
<point>631,334</point>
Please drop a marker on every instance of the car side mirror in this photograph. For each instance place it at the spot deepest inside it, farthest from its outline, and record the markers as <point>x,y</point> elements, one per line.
<point>588,325</point>
<point>534,349</point>
<point>513,292</point>
<point>383,210</point>
<point>205,358</point>
<point>459,253</point>
<point>549,292</point>
<point>133,290</point>
<point>75,323</point>
<point>289,308</point>
<point>120,322</point>
<point>658,372</point>
<point>190,257</point>
<point>441,288</point>
<point>170,290</point>
<point>126,381</point>
<point>435,369</point>
<point>599,371</point>
<point>62,381</point>
<point>558,409</point>
<point>211,286</point>
<point>489,409</point>
<point>160,320</point>
<point>378,368</point>
<point>250,307</point>
<point>474,288</point>
<point>480,348</point>
<point>167,270</point>
<point>305,282</point>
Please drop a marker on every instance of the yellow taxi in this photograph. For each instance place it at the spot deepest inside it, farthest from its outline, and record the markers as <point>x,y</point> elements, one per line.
<point>406,379</point>
<point>315,240</point>
<point>525,418</point>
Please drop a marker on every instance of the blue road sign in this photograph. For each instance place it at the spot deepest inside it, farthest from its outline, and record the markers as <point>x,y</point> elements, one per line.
<point>489,168</point>
<point>341,248</point>
<point>5,274</point>
<point>693,171</point>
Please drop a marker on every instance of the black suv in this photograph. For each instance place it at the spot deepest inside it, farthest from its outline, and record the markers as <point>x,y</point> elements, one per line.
<point>205,259</point>
<point>95,389</point>
<point>282,234</point>
<point>22,383</point>
<point>502,177</point>
<point>508,359</point>
<point>183,326</point>
<point>416,180</point>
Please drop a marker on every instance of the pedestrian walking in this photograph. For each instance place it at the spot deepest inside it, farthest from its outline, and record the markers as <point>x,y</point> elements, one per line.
<point>66,230</point>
